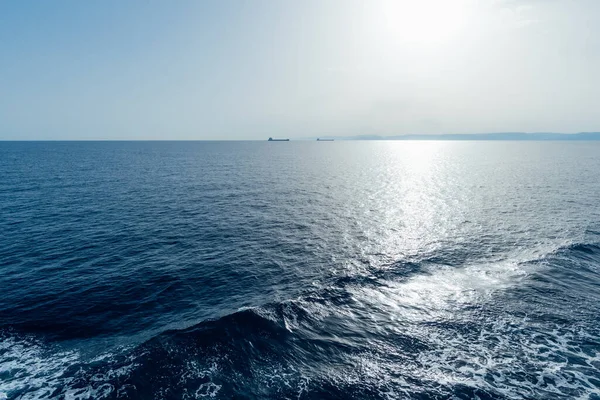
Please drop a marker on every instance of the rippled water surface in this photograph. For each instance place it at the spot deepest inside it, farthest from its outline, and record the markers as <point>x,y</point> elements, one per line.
<point>299,270</point>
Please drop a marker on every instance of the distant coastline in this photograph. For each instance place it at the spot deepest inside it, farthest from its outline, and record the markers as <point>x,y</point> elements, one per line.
<point>521,136</point>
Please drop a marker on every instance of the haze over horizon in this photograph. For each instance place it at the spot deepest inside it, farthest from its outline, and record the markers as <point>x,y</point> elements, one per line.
<point>249,70</point>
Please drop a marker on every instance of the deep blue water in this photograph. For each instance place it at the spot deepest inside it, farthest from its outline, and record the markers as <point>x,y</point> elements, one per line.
<point>299,270</point>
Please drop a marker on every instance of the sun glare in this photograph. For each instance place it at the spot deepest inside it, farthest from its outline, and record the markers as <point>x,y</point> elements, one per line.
<point>422,22</point>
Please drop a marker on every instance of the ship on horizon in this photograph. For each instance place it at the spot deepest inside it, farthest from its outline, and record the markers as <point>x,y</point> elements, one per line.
<point>324,140</point>
<point>278,140</point>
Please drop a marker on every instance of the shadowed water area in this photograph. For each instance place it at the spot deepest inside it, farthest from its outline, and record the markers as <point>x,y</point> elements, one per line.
<point>299,270</point>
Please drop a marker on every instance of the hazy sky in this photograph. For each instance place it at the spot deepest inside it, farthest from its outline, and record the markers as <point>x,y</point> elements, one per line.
<point>236,69</point>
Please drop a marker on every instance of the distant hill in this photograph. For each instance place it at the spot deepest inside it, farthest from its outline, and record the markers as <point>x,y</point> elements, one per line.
<point>485,136</point>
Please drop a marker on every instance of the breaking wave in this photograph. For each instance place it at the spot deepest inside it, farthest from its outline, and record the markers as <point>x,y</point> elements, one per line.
<point>514,328</point>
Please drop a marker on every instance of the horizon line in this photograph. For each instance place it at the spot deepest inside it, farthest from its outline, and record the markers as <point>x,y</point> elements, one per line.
<point>486,136</point>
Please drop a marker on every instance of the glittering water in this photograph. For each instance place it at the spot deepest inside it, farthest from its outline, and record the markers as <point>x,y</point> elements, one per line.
<point>300,270</point>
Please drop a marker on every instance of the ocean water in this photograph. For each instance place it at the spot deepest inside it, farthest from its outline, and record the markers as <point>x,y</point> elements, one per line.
<point>300,270</point>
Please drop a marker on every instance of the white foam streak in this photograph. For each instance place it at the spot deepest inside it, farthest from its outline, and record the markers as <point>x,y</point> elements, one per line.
<point>513,363</point>
<point>438,293</point>
<point>30,366</point>
<point>38,371</point>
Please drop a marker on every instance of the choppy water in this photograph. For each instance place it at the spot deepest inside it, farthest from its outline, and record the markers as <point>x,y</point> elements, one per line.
<point>300,270</point>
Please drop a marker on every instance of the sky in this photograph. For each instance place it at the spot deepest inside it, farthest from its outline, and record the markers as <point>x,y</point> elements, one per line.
<point>237,69</point>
